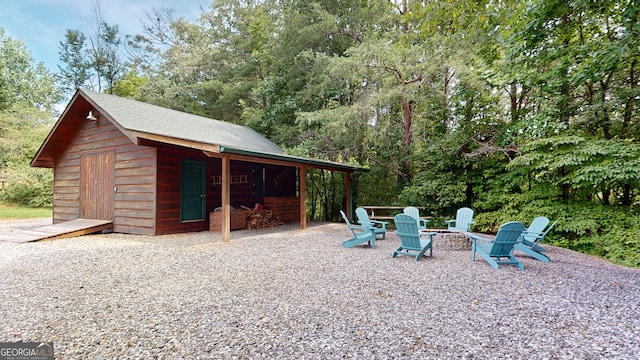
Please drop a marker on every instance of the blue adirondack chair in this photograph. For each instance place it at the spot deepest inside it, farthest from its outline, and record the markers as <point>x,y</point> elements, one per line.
<point>415,213</point>
<point>463,221</point>
<point>411,243</point>
<point>494,251</point>
<point>532,235</point>
<point>379,227</point>
<point>360,234</point>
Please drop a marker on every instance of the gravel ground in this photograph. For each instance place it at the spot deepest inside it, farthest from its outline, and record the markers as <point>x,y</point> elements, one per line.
<point>284,293</point>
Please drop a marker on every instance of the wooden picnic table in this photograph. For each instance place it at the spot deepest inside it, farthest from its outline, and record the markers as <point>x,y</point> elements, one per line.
<point>383,211</point>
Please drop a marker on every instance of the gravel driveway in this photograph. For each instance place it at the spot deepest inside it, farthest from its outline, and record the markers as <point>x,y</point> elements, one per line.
<point>282,293</point>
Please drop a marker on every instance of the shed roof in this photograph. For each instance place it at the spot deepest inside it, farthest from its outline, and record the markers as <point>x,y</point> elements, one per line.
<point>138,120</point>
<point>146,118</point>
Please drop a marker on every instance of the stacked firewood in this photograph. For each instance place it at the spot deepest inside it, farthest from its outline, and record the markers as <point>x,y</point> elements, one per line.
<point>263,218</point>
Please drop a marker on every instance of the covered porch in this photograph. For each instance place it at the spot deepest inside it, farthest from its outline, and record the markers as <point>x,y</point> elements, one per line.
<point>300,164</point>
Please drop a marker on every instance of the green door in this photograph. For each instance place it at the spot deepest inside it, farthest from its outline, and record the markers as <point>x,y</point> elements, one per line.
<point>193,191</point>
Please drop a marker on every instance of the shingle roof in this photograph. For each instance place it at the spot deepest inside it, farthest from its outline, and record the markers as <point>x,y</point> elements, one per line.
<point>134,115</point>
<point>141,120</point>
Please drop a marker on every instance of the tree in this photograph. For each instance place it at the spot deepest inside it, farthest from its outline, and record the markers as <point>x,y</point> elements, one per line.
<point>105,57</point>
<point>129,84</point>
<point>28,96</point>
<point>92,60</point>
<point>76,74</point>
<point>25,83</point>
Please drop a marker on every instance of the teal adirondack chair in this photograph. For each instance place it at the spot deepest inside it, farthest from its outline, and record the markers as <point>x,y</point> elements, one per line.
<point>360,234</point>
<point>411,243</point>
<point>415,213</point>
<point>379,227</point>
<point>494,251</point>
<point>463,221</point>
<point>532,235</point>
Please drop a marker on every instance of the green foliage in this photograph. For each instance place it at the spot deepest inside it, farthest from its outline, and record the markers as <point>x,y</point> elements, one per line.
<point>93,60</point>
<point>621,246</point>
<point>376,187</point>
<point>25,119</point>
<point>24,185</point>
<point>516,109</point>
<point>324,195</point>
<point>128,85</point>
<point>582,167</point>
<point>588,227</point>
<point>23,83</point>
<point>28,187</point>
<point>77,72</point>
<point>4,92</point>
<point>437,192</point>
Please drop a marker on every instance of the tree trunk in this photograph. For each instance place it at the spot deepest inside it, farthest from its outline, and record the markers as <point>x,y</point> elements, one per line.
<point>407,116</point>
<point>626,195</point>
<point>513,95</point>
<point>628,106</point>
<point>606,194</point>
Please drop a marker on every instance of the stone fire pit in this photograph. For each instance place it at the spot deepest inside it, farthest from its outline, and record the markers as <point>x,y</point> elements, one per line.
<point>450,240</point>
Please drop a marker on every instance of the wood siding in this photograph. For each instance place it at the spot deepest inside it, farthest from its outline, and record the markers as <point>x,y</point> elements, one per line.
<point>168,200</point>
<point>134,177</point>
<point>280,181</point>
<point>169,168</point>
<point>145,165</point>
<point>285,208</point>
<point>146,197</point>
<point>243,193</point>
<point>135,210</point>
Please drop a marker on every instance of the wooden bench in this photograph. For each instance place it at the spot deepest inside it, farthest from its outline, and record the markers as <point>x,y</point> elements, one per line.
<point>382,213</point>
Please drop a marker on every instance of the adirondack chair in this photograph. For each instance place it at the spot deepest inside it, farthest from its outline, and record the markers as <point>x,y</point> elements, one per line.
<point>463,221</point>
<point>532,235</point>
<point>411,243</point>
<point>494,251</point>
<point>360,234</point>
<point>379,227</point>
<point>415,213</point>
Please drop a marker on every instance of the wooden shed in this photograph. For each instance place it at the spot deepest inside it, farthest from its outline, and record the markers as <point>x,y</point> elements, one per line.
<point>153,170</point>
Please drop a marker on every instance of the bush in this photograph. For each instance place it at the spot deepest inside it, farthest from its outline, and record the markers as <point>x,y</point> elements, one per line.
<point>589,227</point>
<point>28,187</point>
<point>621,246</point>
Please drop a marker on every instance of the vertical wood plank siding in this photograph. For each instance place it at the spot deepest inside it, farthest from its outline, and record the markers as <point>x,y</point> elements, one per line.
<point>97,185</point>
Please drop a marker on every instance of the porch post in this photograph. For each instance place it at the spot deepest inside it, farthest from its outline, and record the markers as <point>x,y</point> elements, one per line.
<point>347,193</point>
<point>226,199</point>
<point>303,197</point>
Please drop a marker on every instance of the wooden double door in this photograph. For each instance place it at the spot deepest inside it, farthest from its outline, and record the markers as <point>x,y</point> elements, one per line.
<point>97,174</point>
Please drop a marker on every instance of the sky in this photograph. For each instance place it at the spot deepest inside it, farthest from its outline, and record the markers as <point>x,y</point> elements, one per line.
<point>41,24</point>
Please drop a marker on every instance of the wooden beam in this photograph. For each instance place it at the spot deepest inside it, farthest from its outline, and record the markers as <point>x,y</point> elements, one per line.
<point>212,154</point>
<point>226,199</point>
<point>44,161</point>
<point>213,149</point>
<point>303,197</point>
<point>259,160</point>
